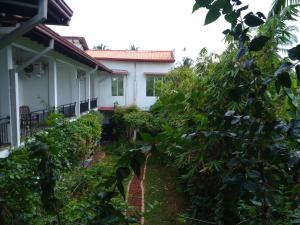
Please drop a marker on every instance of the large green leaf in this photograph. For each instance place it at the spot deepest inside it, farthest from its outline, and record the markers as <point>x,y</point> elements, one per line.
<point>122,173</point>
<point>285,80</point>
<point>294,53</point>
<point>258,43</point>
<point>253,21</point>
<point>298,72</point>
<point>212,16</point>
<point>201,3</point>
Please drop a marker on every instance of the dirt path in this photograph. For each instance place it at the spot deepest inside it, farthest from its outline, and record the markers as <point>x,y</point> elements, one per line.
<point>136,193</point>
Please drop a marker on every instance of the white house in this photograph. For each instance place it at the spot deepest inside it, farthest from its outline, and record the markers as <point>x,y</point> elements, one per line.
<point>134,77</point>
<point>40,71</point>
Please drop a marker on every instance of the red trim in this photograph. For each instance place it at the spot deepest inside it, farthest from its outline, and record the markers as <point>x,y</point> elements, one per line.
<point>120,72</point>
<point>136,60</point>
<point>106,108</point>
<point>154,74</point>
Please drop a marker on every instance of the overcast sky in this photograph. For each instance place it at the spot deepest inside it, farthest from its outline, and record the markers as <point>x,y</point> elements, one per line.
<point>150,25</point>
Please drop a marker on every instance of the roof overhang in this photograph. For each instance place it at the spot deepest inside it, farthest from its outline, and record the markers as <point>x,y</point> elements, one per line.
<point>120,72</point>
<point>59,13</point>
<point>154,74</point>
<point>43,34</point>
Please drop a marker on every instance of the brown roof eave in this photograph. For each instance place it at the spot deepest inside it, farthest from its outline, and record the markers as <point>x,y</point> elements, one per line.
<point>43,34</point>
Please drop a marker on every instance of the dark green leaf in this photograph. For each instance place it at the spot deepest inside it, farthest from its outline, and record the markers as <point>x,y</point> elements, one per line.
<point>231,18</point>
<point>201,3</point>
<point>253,21</point>
<point>122,173</point>
<point>212,16</point>
<point>294,53</point>
<point>285,80</point>
<point>261,15</point>
<point>243,8</point>
<point>227,31</point>
<point>121,189</point>
<point>277,86</point>
<point>136,166</point>
<point>298,72</point>
<point>235,94</point>
<point>258,43</point>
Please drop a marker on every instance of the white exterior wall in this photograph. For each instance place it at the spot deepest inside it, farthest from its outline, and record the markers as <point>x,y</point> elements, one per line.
<point>134,83</point>
<point>34,91</point>
<point>66,94</point>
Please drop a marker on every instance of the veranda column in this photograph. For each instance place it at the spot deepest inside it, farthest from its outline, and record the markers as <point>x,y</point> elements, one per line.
<point>14,108</point>
<point>78,94</point>
<point>88,88</point>
<point>53,98</point>
<point>5,65</point>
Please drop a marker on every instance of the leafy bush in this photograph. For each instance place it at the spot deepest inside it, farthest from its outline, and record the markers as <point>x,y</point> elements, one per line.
<point>232,132</point>
<point>127,120</point>
<point>44,183</point>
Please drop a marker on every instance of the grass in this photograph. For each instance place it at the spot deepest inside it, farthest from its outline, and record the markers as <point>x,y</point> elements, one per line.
<point>163,201</point>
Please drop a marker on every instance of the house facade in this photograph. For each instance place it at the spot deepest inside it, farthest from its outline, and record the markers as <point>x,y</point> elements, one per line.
<point>40,71</point>
<point>134,79</point>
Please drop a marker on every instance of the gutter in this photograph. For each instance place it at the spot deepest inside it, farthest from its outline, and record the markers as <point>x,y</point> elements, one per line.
<point>28,25</point>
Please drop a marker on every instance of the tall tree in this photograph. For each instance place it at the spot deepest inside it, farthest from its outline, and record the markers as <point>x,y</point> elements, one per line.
<point>100,47</point>
<point>133,48</point>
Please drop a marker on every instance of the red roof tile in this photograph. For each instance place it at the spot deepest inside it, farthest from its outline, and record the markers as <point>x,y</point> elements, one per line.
<point>133,56</point>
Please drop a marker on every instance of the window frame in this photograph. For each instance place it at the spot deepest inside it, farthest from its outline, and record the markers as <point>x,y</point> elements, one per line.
<point>119,80</point>
<point>155,79</point>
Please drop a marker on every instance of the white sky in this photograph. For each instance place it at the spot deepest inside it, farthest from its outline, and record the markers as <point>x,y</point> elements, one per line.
<point>149,24</point>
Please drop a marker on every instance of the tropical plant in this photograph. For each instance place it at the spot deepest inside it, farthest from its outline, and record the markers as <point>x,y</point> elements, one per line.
<point>279,5</point>
<point>236,145</point>
<point>276,27</point>
<point>133,48</point>
<point>100,47</point>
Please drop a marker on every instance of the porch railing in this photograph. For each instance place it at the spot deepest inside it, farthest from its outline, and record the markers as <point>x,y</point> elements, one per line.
<point>34,121</point>
<point>4,131</point>
<point>68,110</point>
<point>94,103</point>
<point>84,106</point>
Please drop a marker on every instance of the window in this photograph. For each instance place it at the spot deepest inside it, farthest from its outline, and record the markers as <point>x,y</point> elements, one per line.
<point>153,85</point>
<point>117,86</point>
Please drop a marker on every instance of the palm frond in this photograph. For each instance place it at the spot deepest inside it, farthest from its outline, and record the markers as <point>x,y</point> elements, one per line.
<point>279,5</point>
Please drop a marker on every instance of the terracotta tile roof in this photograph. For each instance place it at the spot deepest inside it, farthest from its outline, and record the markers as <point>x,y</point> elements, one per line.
<point>134,56</point>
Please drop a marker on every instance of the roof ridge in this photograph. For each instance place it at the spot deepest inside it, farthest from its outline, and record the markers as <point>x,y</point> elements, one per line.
<point>109,50</point>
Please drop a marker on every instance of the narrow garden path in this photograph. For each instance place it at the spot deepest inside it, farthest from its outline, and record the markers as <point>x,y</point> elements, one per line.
<point>136,193</point>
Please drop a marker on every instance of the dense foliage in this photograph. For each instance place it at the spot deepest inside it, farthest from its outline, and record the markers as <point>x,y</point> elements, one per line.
<point>46,182</point>
<point>127,121</point>
<point>231,124</point>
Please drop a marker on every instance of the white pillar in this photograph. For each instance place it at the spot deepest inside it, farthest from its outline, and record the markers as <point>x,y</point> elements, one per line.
<point>14,108</point>
<point>88,88</point>
<point>78,94</point>
<point>53,98</point>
